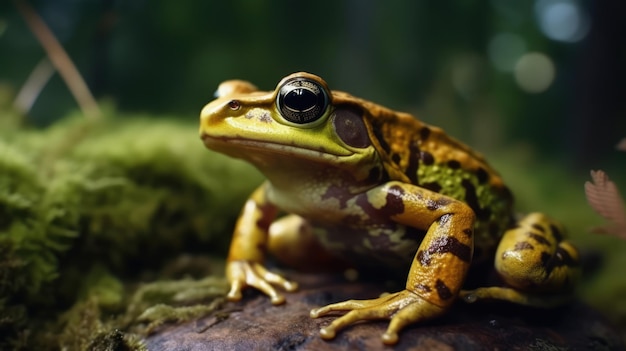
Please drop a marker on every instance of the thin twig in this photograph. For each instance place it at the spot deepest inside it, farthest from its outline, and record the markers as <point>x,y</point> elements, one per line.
<point>34,85</point>
<point>60,60</point>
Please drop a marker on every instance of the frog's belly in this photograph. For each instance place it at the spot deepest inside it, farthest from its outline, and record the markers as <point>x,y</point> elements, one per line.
<point>388,245</point>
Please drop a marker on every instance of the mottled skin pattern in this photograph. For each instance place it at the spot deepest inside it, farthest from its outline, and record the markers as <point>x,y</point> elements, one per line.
<point>376,188</point>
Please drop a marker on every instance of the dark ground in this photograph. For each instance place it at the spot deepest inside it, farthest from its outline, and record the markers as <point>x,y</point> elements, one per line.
<point>254,324</point>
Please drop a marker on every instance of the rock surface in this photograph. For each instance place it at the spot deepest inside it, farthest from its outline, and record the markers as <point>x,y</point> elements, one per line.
<point>254,324</point>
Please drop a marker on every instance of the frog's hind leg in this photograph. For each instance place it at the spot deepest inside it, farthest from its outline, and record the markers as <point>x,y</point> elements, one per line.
<point>538,265</point>
<point>293,243</point>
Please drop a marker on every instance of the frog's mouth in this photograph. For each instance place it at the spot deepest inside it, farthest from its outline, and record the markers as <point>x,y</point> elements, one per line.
<point>244,146</point>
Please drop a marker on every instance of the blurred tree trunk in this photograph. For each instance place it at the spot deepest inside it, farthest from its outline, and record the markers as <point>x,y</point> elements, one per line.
<point>598,114</point>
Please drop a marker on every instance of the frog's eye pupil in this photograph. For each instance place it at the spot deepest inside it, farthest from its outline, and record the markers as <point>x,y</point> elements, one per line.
<point>302,101</point>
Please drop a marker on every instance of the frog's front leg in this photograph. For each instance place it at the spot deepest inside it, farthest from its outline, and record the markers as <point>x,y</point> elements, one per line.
<point>438,270</point>
<point>538,265</point>
<point>248,247</point>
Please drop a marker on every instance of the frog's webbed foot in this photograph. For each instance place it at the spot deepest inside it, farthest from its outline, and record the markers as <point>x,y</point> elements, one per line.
<point>402,308</point>
<point>242,274</point>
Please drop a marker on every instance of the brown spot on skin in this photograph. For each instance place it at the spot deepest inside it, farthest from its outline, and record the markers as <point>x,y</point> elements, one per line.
<point>395,158</point>
<point>539,239</point>
<point>337,192</point>
<point>468,232</point>
<point>381,139</point>
<point>393,204</point>
<point>442,290</point>
<point>538,227</point>
<point>472,200</point>
<point>523,245</point>
<point>437,204</point>
<point>561,258</point>
<point>454,164</point>
<point>427,158</point>
<point>431,205</point>
<point>442,245</point>
<point>422,259</point>
<point>482,175</point>
<point>424,133</point>
<point>414,158</point>
<point>422,287</point>
<point>267,216</point>
<point>556,233</point>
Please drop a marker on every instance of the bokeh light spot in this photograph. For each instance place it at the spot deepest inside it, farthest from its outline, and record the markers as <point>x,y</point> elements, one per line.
<point>562,20</point>
<point>534,72</point>
<point>505,49</point>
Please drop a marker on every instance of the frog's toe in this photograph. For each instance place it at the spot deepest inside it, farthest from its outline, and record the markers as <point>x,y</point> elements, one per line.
<point>352,317</point>
<point>276,279</point>
<point>269,290</point>
<point>390,338</point>
<point>411,313</point>
<point>234,294</point>
<point>340,306</point>
<point>328,333</point>
<point>290,286</point>
<point>402,308</point>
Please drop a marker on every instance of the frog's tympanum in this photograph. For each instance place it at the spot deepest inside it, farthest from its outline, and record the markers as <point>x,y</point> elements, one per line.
<point>380,189</point>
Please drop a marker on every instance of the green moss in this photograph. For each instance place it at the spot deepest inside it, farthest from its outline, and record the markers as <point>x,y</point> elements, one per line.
<point>84,329</point>
<point>86,206</point>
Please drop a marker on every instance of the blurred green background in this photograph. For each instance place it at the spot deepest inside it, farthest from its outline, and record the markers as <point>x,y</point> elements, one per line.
<point>546,73</point>
<point>539,86</point>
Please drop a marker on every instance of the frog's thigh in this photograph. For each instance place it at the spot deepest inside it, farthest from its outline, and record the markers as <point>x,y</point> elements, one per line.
<point>534,260</point>
<point>293,243</point>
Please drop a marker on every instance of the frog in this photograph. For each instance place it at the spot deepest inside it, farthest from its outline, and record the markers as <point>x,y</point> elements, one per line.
<point>349,180</point>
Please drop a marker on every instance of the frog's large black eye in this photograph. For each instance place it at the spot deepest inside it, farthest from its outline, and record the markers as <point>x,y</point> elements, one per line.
<point>302,100</point>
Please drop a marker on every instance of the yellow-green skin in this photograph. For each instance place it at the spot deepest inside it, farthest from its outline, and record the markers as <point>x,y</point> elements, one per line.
<point>376,187</point>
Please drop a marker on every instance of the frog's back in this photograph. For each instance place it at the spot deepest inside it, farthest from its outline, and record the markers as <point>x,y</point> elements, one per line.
<point>424,155</point>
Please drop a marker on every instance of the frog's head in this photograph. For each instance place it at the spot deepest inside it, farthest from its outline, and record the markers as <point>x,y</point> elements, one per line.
<point>302,120</point>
